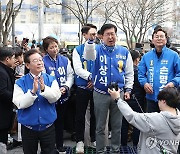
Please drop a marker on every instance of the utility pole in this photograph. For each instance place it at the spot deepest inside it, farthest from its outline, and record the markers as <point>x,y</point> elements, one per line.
<point>13,30</point>
<point>79,34</point>
<point>79,16</point>
<point>13,26</point>
<point>40,20</point>
<point>87,5</point>
<point>0,24</point>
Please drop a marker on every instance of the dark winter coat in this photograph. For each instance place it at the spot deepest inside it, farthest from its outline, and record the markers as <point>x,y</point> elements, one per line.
<point>7,80</point>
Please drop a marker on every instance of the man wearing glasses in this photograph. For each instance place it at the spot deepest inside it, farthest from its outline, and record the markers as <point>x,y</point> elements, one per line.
<point>113,67</point>
<point>35,95</point>
<point>158,69</point>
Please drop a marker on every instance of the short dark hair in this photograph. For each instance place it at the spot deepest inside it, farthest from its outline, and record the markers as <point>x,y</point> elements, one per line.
<point>170,95</point>
<point>99,32</point>
<point>6,52</point>
<point>29,53</point>
<point>157,30</point>
<point>47,41</point>
<point>85,29</point>
<point>18,51</point>
<point>158,27</point>
<point>135,54</point>
<point>108,26</point>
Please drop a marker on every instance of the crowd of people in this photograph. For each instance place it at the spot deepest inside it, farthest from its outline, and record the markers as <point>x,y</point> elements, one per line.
<point>117,85</point>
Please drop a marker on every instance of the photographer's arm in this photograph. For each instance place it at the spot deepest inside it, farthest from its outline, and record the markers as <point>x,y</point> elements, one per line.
<point>138,120</point>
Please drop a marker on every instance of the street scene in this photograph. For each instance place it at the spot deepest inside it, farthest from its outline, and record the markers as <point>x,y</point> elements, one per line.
<point>89,77</point>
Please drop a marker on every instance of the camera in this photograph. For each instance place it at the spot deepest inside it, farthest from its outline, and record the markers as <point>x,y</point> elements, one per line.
<point>113,85</point>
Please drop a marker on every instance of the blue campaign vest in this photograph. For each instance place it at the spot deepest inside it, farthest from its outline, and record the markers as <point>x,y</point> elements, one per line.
<point>109,67</point>
<point>32,116</point>
<point>159,71</point>
<point>86,64</point>
<point>58,69</point>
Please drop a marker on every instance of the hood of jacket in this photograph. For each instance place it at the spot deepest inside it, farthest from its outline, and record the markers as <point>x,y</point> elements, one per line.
<point>172,121</point>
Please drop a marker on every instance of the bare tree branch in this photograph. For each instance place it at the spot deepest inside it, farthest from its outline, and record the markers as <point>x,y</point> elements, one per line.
<point>6,20</point>
<point>80,9</point>
<point>135,17</point>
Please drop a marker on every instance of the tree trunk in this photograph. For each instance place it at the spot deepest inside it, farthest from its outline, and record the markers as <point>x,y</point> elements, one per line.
<point>5,38</point>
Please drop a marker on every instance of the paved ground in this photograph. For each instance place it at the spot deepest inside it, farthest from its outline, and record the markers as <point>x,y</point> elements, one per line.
<point>67,142</point>
<point>18,150</point>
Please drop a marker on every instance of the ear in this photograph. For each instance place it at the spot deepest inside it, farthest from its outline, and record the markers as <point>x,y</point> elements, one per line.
<point>6,59</point>
<point>164,101</point>
<point>27,65</point>
<point>136,61</point>
<point>84,34</point>
<point>152,41</point>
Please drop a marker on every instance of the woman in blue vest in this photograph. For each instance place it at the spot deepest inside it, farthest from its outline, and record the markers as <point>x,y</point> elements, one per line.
<point>60,67</point>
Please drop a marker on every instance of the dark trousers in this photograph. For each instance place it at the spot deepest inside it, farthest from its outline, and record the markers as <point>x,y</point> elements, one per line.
<point>4,136</point>
<point>83,97</point>
<point>152,106</point>
<point>125,125</point>
<point>59,123</point>
<point>30,139</point>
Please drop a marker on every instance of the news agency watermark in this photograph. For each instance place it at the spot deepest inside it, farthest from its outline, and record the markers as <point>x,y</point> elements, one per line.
<point>152,142</point>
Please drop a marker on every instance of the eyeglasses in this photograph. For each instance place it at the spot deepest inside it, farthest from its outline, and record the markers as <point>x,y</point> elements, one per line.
<point>159,36</point>
<point>110,34</point>
<point>35,61</point>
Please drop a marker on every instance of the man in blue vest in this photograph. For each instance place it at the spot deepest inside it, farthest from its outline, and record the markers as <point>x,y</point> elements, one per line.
<point>113,67</point>
<point>84,94</point>
<point>35,95</point>
<point>158,69</point>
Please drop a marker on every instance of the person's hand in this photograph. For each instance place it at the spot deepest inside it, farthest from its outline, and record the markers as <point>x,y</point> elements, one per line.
<point>148,88</point>
<point>41,82</point>
<point>35,85</point>
<point>63,90</point>
<point>114,94</point>
<point>90,85</point>
<point>126,96</point>
<point>16,63</point>
<point>26,47</point>
<point>170,84</point>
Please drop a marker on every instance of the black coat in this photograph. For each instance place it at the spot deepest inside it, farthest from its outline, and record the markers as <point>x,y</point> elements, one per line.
<point>7,80</point>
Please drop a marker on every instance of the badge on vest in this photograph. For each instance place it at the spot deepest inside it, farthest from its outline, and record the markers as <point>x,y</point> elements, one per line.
<point>151,63</point>
<point>120,63</point>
